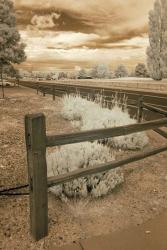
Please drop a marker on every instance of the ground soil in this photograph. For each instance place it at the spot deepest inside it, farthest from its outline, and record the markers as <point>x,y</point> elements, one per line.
<point>142,196</point>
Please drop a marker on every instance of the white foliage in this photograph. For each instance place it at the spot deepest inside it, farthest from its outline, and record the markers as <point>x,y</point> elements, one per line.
<point>87,115</point>
<point>83,155</point>
<point>100,71</point>
<point>121,71</point>
<point>82,74</point>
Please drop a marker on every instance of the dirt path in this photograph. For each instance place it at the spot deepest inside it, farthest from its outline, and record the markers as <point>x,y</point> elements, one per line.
<point>151,235</point>
<point>141,197</point>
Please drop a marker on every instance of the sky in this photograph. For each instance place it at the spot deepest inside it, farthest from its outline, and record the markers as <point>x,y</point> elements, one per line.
<point>71,34</point>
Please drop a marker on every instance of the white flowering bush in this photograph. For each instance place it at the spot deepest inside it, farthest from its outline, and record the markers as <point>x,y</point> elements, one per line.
<point>88,115</point>
<point>83,155</point>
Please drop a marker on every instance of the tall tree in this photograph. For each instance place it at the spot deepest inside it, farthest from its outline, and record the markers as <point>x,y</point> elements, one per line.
<point>156,52</point>
<point>11,50</point>
<point>164,38</point>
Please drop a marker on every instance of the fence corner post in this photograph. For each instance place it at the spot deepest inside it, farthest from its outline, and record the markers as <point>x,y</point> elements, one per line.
<point>140,109</point>
<point>35,135</point>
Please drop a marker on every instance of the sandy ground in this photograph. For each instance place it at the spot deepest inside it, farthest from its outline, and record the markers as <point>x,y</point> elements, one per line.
<point>141,197</point>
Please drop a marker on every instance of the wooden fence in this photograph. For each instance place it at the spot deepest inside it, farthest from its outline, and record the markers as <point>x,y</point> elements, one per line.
<point>37,141</point>
<point>59,88</point>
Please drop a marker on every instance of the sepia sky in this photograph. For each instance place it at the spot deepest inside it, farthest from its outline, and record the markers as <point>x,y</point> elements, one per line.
<point>79,33</point>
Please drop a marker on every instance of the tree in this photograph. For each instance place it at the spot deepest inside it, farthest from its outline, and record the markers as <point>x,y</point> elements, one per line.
<point>121,71</point>
<point>82,74</point>
<point>11,50</point>
<point>62,75</point>
<point>100,71</point>
<point>157,50</point>
<point>71,75</point>
<point>164,38</point>
<point>140,70</point>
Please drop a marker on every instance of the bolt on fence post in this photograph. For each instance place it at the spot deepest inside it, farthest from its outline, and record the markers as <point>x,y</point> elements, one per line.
<point>35,135</point>
<point>140,109</point>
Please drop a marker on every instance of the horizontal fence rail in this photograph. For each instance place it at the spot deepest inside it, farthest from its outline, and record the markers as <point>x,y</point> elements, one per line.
<point>56,140</point>
<point>161,132</point>
<point>155,109</point>
<point>61,179</point>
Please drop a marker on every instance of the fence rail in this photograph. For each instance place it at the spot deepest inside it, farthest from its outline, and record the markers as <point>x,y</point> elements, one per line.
<point>61,179</point>
<point>155,109</point>
<point>61,88</point>
<point>63,139</point>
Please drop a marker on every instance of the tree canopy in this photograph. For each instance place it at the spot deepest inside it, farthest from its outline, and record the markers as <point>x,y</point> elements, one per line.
<point>11,49</point>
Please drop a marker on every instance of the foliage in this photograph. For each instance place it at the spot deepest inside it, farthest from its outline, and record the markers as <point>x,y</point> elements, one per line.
<point>121,71</point>
<point>11,50</point>
<point>62,75</point>
<point>100,71</point>
<point>157,50</point>
<point>87,115</point>
<point>141,70</point>
<point>82,74</point>
<point>83,155</point>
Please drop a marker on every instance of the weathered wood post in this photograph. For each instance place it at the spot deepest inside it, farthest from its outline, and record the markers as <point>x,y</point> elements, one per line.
<point>37,88</point>
<point>53,91</point>
<point>35,135</point>
<point>43,92</point>
<point>140,109</point>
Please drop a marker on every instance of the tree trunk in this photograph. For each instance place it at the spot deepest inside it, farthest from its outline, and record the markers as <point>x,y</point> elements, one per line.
<point>1,73</point>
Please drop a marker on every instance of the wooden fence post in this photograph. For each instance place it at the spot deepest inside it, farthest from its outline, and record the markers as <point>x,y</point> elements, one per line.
<point>140,109</point>
<point>53,93</point>
<point>43,92</point>
<point>35,135</point>
<point>37,89</point>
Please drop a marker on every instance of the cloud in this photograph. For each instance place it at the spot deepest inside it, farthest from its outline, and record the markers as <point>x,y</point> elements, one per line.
<point>56,40</point>
<point>45,21</point>
<point>77,32</point>
<point>51,48</point>
<point>103,17</point>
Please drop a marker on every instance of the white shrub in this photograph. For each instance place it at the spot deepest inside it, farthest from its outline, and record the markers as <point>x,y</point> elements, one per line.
<point>87,115</point>
<point>83,155</point>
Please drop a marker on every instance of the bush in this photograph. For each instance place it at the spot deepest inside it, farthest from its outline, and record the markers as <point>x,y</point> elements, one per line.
<point>87,115</point>
<point>83,155</point>
<point>140,70</point>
